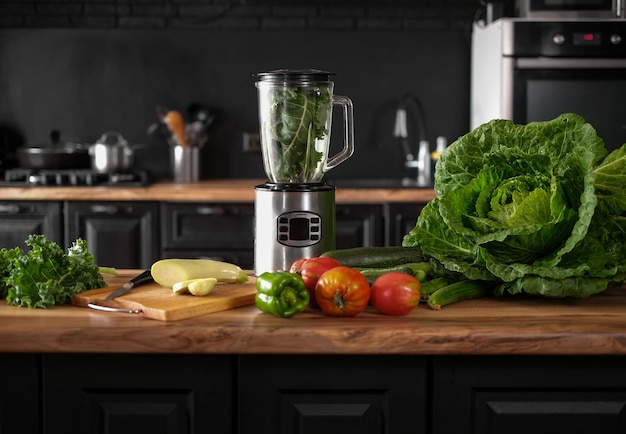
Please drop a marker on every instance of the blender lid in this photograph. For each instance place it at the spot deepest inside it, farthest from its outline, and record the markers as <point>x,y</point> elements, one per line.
<point>294,75</point>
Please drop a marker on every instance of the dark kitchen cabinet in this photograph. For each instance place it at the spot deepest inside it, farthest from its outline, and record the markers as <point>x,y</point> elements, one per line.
<point>359,225</point>
<point>299,394</point>
<point>332,394</point>
<point>118,234</point>
<point>19,219</point>
<point>539,395</point>
<point>20,385</point>
<point>221,231</point>
<point>401,218</point>
<point>225,231</point>
<point>129,394</point>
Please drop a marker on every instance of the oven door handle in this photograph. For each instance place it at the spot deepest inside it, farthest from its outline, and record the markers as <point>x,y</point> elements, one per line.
<point>568,63</point>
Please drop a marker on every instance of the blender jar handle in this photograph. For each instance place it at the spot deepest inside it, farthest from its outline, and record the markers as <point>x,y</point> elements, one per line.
<point>348,137</point>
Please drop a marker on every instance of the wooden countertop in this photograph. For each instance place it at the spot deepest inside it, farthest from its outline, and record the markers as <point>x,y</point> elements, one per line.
<point>218,190</point>
<point>507,325</point>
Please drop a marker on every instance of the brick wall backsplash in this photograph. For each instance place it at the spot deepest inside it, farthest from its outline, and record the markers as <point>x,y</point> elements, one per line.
<point>88,66</point>
<point>377,15</point>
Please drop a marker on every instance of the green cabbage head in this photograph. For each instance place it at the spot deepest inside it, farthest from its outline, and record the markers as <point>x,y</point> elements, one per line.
<point>533,208</point>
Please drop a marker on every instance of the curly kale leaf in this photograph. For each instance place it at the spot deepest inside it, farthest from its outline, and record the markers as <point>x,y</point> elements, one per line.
<point>46,276</point>
<point>534,208</point>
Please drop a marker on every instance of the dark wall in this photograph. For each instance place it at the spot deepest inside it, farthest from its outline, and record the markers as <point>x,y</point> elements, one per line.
<point>84,79</point>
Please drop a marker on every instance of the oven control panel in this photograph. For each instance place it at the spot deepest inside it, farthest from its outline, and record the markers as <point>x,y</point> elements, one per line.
<point>565,38</point>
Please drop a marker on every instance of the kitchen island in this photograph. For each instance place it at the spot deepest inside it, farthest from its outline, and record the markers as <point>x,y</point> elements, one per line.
<point>492,326</point>
<point>500,364</point>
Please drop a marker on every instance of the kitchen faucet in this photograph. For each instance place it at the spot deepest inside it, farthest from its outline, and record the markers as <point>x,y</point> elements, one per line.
<point>401,131</point>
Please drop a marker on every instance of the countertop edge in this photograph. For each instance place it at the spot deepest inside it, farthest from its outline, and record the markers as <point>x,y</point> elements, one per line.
<point>217,190</point>
<point>493,325</point>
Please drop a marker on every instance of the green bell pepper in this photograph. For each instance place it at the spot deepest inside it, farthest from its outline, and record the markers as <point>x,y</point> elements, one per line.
<point>281,294</point>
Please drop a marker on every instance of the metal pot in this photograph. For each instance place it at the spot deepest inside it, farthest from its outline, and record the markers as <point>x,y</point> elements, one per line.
<point>54,155</point>
<point>111,154</point>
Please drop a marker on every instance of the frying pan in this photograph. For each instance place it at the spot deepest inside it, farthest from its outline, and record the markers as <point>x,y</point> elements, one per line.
<point>55,155</point>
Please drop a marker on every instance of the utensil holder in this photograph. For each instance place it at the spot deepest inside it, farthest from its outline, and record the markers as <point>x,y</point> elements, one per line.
<point>185,163</point>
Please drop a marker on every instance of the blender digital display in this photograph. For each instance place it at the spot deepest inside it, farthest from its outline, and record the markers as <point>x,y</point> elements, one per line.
<point>299,228</point>
<point>295,209</point>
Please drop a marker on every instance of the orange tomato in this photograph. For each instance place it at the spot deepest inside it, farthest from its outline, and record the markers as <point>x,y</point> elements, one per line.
<point>342,291</point>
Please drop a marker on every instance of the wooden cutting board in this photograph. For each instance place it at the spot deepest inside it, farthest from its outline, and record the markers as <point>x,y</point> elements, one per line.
<point>158,302</point>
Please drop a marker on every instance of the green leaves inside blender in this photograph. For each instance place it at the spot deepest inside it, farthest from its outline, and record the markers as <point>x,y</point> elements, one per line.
<point>299,117</point>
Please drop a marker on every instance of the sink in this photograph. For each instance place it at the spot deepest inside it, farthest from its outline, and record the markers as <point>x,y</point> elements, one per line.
<point>376,183</point>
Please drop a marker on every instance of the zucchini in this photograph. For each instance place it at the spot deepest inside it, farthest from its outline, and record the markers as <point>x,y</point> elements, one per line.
<point>419,270</point>
<point>371,274</point>
<point>432,285</point>
<point>464,290</point>
<point>375,257</point>
<point>199,287</point>
<point>167,272</point>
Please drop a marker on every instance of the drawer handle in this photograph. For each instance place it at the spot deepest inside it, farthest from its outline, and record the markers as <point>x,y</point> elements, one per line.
<point>211,210</point>
<point>10,208</point>
<point>104,209</point>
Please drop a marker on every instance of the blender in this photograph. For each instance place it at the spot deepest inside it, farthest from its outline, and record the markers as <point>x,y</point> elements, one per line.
<point>295,209</point>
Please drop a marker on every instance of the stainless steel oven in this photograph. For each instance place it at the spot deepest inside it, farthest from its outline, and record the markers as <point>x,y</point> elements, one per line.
<point>535,69</point>
<point>569,8</point>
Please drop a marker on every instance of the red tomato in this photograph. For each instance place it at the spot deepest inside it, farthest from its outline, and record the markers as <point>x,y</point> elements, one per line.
<point>395,293</point>
<point>297,266</point>
<point>311,270</point>
<point>342,291</point>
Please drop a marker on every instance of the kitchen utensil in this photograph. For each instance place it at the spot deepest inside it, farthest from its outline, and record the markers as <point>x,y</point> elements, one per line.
<point>192,132</point>
<point>54,155</point>
<point>200,113</point>
<point>141,279</point>
<point>295,210</point>
<point>154,301</point>
<point>199,119</point>
<point>176,124</point>
<point>185,163</point>
<point>112,154</point>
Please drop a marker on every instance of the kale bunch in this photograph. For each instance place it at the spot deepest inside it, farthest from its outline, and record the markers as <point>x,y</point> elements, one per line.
<point>46,276</point>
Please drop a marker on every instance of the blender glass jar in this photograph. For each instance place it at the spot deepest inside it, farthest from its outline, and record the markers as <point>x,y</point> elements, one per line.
<point>295,115</point>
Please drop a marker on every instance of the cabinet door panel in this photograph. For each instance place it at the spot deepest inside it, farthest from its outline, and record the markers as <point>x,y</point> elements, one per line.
<point>208,226</point>
<point>542,395</point>
<point>332,394</point>
<point>129,394</point>
<point>402,218</point>
<point>358,225</point>
<point>548,412</point>
<point>20,383</point>
<point>20,219</point>
<point>332,412</point>
<point>118,234</point>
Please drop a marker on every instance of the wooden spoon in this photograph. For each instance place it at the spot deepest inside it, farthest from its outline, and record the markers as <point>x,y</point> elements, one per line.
<point>176,124</point>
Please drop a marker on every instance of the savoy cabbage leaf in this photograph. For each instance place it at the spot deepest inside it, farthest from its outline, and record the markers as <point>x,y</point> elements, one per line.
<point>533,209</point>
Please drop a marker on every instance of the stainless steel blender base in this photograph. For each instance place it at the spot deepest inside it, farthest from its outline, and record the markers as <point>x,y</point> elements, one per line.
<point>292,221</point>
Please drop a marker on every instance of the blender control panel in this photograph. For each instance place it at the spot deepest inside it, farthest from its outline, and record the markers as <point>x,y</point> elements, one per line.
<point>299,228</point>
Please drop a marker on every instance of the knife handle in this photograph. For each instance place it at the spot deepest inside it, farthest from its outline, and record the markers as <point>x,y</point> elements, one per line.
<point>143,278</point>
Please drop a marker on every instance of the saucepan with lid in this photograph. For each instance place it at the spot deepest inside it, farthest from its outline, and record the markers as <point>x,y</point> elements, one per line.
<point>112,153</point>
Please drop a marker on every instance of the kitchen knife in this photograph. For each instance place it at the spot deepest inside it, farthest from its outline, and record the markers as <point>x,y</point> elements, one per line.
<point>143,278</point>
